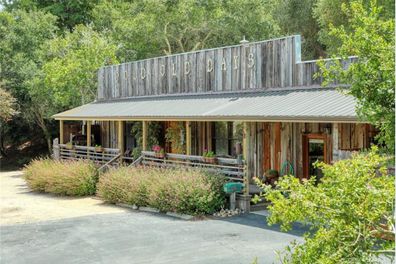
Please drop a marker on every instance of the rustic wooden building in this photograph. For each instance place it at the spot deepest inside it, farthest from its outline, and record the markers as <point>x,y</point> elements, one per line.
<point>259,97</point>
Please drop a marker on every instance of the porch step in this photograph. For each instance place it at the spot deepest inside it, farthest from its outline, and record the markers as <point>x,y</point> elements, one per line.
<point>254,189</point>
<point>259,206</point>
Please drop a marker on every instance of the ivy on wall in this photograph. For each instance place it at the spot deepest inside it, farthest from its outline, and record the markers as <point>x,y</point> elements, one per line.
<point>154,132</point>
<point>175,135</point>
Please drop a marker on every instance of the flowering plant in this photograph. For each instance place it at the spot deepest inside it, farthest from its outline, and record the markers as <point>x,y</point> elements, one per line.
<point>156,148</point>
<point>208,154</point>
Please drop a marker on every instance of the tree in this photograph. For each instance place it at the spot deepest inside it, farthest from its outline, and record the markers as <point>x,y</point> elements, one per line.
<point>371,78</point>
<point>330,14</point>
<point>7,105</point>
<point>350,211</point>
<point>69,13</point>
<point>8,109</point>
<point>296,17</point>
<point>145,30</point>
<point>22,34</point>
<point>71,64</point>
<point>68,77</point>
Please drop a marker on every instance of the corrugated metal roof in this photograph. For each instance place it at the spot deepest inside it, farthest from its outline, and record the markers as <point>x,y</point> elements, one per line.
<point>321,104</point>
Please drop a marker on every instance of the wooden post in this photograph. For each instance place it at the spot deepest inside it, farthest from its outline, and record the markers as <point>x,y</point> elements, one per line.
<point>120,137</point>
<point>335,142</point>
<point>246,155</point>
<point>188,137</point>
<point>61,140</point>
<point>89,123</point>
<point>144,135</point>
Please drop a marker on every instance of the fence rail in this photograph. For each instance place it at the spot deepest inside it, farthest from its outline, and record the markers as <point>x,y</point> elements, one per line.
<point>99,156</point>
<point>232,168</point>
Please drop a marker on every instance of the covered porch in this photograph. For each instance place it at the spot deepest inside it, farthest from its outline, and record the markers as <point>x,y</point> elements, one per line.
<point>248,132</point>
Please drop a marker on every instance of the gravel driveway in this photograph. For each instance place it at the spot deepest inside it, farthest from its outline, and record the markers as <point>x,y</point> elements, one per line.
<point>41,228</point>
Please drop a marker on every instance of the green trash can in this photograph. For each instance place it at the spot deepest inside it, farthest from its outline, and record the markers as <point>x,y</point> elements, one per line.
<point>232,188</point>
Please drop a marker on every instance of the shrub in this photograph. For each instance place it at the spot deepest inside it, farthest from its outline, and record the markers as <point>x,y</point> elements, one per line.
<point>74,178</point>
<point>349,211</point>
<point>179,190</point>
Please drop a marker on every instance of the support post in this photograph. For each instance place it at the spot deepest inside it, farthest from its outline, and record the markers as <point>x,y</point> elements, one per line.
<point>144,135</point>
<point>335,153</point>
<point>246,155</point>
<point>120,137</point>
<point>61,140</point>
<point>188,137</point>
<point>243,200</point>
<point>89,143</point>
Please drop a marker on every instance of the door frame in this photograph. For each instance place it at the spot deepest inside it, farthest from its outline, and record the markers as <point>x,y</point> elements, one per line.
<point>305,142</point>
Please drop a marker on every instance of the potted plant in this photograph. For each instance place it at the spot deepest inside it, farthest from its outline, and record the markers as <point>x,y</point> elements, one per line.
<point>209,157</point>
<point>69,145</point>
<point>271,177</point>
<point>158,151</point>
<point>98,148</point>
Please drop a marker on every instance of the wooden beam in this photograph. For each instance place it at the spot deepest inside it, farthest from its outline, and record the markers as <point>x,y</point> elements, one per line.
<point>89,123</point>
<point>61,139</point>
<point>188,137</point>
<point>120,137</point>
<point>144,135</point>
<point>335,142</point>
<point>246,156</point>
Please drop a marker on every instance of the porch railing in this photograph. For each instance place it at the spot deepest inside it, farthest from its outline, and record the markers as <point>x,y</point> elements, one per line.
<point>76,152</point>
<point>232,168</point>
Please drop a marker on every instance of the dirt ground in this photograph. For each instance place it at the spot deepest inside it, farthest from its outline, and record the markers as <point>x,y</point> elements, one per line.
<point>18,205</point>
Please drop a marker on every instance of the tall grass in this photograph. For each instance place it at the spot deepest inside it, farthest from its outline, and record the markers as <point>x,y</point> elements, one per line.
<point>179,190</point>
<point>73,178</point>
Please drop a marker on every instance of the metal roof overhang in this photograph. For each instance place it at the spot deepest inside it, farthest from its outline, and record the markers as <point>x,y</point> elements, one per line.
<point>297,105</point>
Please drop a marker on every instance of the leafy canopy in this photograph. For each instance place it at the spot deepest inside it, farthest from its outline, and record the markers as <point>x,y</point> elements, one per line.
<point>348,211</point>
<point>372,77</point>
<point>145,30</point>
<point>7,105</point>
<point>71,63</point>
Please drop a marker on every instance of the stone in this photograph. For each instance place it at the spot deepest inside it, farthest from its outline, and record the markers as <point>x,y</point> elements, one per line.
<point>149,209</point>
<point>181,216</point>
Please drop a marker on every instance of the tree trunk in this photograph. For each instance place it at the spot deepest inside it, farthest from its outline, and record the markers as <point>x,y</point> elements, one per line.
<point>41,122</point>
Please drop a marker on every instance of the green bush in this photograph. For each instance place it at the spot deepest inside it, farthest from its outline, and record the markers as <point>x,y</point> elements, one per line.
<point>189,191</point>
<point>350,211</point>
<point>73,178</point>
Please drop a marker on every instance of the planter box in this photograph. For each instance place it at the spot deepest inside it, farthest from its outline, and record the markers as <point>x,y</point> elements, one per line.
<point>210,160</point>
<point>160,155</point>
<point>99,149</point>
<point>69,146</point>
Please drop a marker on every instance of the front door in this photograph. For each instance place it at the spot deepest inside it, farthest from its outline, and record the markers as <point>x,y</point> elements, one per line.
<point>314,149</point>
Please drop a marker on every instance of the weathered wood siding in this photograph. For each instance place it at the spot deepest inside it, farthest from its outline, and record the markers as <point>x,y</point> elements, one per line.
<point>251,66</point>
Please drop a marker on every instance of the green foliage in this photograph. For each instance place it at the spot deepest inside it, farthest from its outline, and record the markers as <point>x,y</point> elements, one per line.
<point>71,66</point>
<point>72,178</point>
<point>144,29</point>
<point>330,14</point>
<point>348,211</point>
<point>7,106</point>
<point>296,17</point>
<point>179,190</point>
<point>70,13</point>
<point>372,77</point>
<point>22,35</point>
<point>176,136</point>
<point>153,134</point>
<point>208,154</point>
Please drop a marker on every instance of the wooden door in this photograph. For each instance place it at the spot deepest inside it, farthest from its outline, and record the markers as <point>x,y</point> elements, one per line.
<point>314,148</point>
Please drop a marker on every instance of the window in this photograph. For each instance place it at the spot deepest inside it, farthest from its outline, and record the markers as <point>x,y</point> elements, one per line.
<point>226,137</point>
